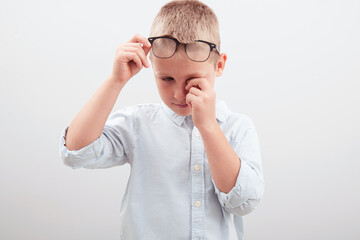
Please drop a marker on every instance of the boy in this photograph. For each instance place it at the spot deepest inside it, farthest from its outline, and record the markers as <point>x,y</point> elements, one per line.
<point>195,165</point>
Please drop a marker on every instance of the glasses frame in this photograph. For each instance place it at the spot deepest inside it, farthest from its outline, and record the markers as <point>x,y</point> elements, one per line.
<point>211,45</point>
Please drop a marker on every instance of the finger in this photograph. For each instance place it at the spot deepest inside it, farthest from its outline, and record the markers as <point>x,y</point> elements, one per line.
<point>134,57</point>
<point>140,46</point>
<point>189,99</point>
<point>140,52</point>
<point>143,53</point>
<point>147,49</point>
<point>195,91</point>
<point>137,38</point>
<point>200,83</point>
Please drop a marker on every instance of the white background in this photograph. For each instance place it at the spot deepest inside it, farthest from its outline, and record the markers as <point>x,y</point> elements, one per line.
<point>293,67</point>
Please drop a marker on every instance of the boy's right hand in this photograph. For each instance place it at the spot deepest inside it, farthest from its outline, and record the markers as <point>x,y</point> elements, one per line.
<point>130,57</point>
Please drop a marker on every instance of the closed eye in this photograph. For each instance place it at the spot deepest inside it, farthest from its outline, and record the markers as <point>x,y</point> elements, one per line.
<point>167,79</point>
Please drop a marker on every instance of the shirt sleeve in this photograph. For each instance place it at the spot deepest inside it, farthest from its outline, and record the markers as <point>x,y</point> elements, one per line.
<point>245,196</point>
<point>113,147</point>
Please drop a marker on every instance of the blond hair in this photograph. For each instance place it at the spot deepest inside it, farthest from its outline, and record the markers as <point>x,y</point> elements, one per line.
<point>187,20</point>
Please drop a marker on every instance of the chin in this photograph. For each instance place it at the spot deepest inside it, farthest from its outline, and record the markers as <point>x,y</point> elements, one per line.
<point>181,111</point>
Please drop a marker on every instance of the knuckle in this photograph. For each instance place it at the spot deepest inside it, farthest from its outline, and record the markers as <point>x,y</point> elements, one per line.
<point>137,54</point>
<point>120,47</point>
<point>139,38</point>
<point>134,57</point>
<point>139,48</point>
<point>135,38</point>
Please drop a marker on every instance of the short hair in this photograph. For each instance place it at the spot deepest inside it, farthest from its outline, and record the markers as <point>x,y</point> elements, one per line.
<point>187,20</point>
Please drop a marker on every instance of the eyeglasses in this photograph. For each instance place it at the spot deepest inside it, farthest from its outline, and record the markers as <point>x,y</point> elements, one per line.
<point>165,47</point>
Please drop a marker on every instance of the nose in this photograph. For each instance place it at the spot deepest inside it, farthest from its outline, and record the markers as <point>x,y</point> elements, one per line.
<point>180,92</point>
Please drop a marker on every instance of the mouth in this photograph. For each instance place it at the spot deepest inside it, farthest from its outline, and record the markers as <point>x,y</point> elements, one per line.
<point>181,105</point>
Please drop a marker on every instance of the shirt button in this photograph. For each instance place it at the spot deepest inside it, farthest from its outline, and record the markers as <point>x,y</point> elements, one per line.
<point>197,167</point>
<point>198,203</point>
<point>197,134</point>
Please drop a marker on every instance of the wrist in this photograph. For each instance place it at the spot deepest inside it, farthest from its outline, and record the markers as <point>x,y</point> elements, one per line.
<point>208,128</point>
<point>115,83</point>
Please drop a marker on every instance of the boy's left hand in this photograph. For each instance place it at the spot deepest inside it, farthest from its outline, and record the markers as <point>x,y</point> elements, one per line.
<point>202,100</point>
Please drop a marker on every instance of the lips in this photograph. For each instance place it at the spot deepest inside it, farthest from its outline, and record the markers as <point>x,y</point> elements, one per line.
<point>181,105</point>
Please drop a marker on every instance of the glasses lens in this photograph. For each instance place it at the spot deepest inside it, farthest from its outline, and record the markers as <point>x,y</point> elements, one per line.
<point>163,47</point>
<point>198,51</point>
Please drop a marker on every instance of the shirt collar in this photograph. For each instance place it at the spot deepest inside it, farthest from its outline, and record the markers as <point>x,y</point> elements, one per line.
<point>222,113</point>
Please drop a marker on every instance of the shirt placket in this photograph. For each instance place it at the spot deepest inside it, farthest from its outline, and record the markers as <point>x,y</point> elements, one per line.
<point>198,187</point>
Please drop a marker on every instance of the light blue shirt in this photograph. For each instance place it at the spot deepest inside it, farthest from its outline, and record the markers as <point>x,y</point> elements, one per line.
<point>170,192</point>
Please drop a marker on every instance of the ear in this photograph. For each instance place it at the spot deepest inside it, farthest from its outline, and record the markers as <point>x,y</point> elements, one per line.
<point>220,65</point>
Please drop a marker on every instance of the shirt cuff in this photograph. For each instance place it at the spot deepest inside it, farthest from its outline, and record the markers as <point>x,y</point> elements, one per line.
<point>82,157</point>
<point>245,195</point>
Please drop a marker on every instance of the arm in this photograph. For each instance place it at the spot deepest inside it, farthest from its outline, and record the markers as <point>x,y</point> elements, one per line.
<point>223,161</point>
<point>239,184</point>
<point>89,122</point>
<point>236,170</point>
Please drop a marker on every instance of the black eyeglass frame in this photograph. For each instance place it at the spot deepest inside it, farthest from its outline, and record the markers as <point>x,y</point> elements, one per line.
<point>211,45</point>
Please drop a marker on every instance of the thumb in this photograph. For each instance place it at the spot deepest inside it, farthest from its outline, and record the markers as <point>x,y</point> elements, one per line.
<point>146,49</point>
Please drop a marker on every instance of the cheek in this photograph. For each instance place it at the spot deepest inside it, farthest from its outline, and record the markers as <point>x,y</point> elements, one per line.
<point>211,81</point>
<point>164,89</point>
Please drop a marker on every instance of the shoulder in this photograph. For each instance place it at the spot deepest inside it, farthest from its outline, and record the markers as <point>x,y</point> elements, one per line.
<point>236,125</point>
<point>240,119</point>
<point>147,108</point>
<point>143,110</point>
<point>232,118</point>
<point>239,124</point>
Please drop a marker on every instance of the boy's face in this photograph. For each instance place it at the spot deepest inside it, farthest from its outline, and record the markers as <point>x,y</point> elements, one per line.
<point>172,75</point>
